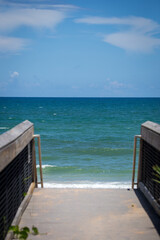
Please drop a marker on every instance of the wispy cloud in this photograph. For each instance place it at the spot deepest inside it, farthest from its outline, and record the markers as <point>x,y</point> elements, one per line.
<point>11,44</point>
<point>13,77</point>
<point>140,33</point>
<point>38,4</point>
<point>34,15</point>
<point>110,84</point>
<point>117,84</point>
<point>36,18</point>
<point>133,41</point>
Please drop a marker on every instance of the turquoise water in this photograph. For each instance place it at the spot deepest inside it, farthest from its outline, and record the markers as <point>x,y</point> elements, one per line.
<point>85,141</point>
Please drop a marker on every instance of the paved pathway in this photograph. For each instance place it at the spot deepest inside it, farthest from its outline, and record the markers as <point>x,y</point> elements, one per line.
<point>91,214</point>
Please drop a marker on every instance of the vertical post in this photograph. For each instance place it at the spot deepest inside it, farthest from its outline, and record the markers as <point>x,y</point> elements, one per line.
<point>40,159</point>
<point>140,162</point>
<point>134,159</point>
<point>34,163</point>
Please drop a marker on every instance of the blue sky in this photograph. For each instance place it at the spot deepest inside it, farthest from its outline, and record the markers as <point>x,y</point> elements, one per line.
<point>73,48</point>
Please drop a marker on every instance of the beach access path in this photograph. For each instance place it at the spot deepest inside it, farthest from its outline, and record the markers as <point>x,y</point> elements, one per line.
<point>91,214</point>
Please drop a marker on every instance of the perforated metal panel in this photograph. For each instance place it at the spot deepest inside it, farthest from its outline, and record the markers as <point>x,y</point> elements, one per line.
<point>150,157</point>
<point>15,180</point>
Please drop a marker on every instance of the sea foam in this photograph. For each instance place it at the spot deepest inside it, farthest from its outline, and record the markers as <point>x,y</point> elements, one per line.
<point>90,185</point>
<point>46,166</point>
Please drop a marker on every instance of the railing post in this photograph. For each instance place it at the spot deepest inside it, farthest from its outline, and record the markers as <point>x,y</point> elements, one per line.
<point>40,160</point>
<point>134,159</point>
<point>34,164</point>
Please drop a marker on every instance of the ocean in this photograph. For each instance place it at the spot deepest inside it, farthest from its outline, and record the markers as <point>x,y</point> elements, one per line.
<point>86,142</point>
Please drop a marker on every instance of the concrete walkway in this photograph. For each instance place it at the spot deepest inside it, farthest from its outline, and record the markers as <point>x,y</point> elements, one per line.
<point>91,214</point>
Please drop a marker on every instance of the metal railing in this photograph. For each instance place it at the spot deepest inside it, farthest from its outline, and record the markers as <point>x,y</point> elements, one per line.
<point>18,173</point>
<point>134,160</point>
<point>15,181</point>
<point>37,136</point>
<point>149,156</point>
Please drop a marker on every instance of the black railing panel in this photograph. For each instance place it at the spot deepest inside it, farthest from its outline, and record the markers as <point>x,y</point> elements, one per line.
<point>15,180</point>
<point>150,157</point>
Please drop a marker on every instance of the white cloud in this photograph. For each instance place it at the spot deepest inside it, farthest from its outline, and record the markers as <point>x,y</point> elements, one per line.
<point>36,18</point>
<point>11,44</point>
<point>136,22</point>
<point>133,41</point>
<point>14,74</point>
<point>139,34</point>
<point>67,6</point>
<point>14,18</point>
<point>114,84</point>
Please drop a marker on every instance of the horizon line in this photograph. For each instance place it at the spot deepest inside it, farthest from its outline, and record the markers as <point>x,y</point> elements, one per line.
<point>69,97</point>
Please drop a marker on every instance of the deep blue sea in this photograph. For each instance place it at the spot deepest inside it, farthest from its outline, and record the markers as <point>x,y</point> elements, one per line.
<point>86,142</point>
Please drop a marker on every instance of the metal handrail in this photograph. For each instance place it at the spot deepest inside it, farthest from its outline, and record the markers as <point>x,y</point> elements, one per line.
<point>134,159</point>
<point>40,161</point>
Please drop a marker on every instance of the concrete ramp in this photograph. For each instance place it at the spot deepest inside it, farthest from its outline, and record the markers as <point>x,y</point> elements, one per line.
<point>91,214</point>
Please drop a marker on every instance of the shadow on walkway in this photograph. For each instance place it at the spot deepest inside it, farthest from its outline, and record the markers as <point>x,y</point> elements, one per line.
<point>149,210</point>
